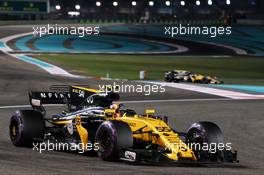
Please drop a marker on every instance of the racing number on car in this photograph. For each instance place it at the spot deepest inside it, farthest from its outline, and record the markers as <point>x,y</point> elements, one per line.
<point>163,129</point>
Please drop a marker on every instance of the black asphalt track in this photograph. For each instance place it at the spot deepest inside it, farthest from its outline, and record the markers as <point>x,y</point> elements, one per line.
<point>242,122</point>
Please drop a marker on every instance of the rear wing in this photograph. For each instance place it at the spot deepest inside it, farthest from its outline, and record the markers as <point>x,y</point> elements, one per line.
<point>38,98</point>
<point>75,97</point>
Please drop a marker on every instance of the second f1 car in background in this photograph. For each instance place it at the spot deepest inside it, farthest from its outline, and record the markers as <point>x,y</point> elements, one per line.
<point>187,76</point>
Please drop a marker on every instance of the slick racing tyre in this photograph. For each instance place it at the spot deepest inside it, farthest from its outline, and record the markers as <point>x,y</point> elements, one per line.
<point>204,133</point>
<point>205,81</point>
<point>176,80</point>
<point>25,127</point>
<point>169,77</point>
<point>111,137</point>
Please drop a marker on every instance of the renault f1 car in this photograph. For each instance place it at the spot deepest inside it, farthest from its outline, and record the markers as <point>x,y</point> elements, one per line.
<point>118,133</point>
<point>186,76</point>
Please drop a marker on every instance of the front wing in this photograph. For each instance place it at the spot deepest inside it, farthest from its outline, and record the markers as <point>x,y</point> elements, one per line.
<point>141,156</point>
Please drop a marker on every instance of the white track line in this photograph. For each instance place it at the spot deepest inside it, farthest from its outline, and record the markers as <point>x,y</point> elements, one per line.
<point>235,49</point>
<point>14,106</point>
<point>8,38</point>
<point>52,69</point>
<point>209,90</point>
<point>176,100</point>
<point>27,106</point>
<point>134,102</point>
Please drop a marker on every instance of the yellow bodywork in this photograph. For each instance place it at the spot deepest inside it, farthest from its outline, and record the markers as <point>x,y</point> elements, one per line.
<point>83,133</point>
<point>148,129</point>
<point>144,128</point>
<point>85,89</point>
<point>197,77</point>
<point>158,132</point>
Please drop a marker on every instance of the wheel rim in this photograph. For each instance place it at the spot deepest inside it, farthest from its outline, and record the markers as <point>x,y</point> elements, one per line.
<point>104,141</point>
<point>196,137</point>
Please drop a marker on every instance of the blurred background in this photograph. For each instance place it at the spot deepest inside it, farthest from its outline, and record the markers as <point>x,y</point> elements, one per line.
<point>132,36</point>
<point>135,11</point>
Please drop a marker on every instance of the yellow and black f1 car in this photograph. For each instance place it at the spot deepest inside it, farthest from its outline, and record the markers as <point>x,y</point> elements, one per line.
<point>115,132</point>
<point>186,76</point>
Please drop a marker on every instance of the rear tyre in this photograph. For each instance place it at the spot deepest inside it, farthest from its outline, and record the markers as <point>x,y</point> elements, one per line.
<point>205,81</point>
<point>169,77</point>
<point>176,80</point>
<point>111,137</point>
<point>204,133</point>
<point>26,126</point>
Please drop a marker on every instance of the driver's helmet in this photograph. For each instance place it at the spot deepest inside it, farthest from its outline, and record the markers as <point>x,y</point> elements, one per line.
<point>114,106</point>
<point>117,107</point>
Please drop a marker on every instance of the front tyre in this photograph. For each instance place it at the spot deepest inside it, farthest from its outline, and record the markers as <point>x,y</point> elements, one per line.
<point>204,133</point>
<point>111,137</point>
<point>25,127</point>
<point>205,81</point>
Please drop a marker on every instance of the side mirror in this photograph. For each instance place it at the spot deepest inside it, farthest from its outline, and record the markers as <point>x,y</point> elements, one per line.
<point>109,112</point>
